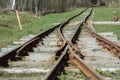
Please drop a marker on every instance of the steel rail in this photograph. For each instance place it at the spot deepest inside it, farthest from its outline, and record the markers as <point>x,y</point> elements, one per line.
<point>75,36</point>
<point>59,65</point>
<point>111,46</point>
<point>39,37</point>
<point>61,35</point>
<point>77,60</point>
<point>51,75</point>
<point>84,68</point>
<point>61,54</point>
<point>24,48</point>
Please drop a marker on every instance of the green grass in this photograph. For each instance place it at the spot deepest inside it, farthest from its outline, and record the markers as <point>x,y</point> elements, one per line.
<point>31,25</point>
<point>21,76</point>
<point>71,75</point>
<point>112,75</point>
<point>9,29</point>
<point>10,21</point>
<point>105,13</point>
<point>108,28</point>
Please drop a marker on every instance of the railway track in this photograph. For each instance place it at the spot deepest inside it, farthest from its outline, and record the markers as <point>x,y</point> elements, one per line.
<point>52,49</point>
<point>69,52</point>
<point>114,48</point>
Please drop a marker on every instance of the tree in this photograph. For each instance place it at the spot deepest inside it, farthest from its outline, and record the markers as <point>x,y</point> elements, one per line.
<point>42,6</point>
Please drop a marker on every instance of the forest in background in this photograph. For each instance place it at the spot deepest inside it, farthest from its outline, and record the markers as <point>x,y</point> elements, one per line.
<point>42,6</point>
<point>53,6</point>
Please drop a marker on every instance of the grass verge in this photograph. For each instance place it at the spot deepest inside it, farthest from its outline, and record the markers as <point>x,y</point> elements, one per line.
<point>30,24</point>
<point>108,28</point>
<point>112,75</point>
<point>105,13</point>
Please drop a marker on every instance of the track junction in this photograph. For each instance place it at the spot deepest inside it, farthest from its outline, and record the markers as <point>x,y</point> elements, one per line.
<point>59,47</point>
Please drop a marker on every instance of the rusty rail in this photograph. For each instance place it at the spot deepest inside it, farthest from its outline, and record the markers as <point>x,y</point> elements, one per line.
<point>113,47</point>
<point>65,53</point>
<point>23,49</point>
<point>58,67</point>
<point>84,68</point>
<point>75,58</point>
<point>68,54</point>
<point>61,55</point>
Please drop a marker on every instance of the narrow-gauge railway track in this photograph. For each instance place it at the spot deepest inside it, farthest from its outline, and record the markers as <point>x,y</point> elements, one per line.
<point>12,58</point>
<point>94,55</point>
<point>23,50</point>
<point>60,41</point>
<point>113,47</point>
<point>68,53</point>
